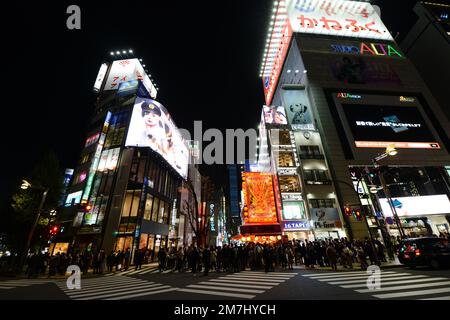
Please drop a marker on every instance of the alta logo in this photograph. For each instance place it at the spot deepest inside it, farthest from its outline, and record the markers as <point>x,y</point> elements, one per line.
<point>346,95</point>
<point>374,49</point>
<point>266,82</point>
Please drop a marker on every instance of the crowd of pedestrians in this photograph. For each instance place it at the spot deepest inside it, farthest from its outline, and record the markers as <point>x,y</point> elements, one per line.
<point>228,258</point>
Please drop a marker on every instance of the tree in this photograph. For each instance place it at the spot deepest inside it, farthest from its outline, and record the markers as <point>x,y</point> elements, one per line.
<point>197,213</point>
<point>20,213</point>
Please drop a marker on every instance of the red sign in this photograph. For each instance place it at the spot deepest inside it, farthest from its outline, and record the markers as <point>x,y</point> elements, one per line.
<point>270,82</point>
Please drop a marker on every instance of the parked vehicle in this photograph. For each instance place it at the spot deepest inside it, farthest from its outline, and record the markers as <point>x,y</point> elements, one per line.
<point>427,251</point>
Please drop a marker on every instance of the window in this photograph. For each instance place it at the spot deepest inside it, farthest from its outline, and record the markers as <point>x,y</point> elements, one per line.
<point>166,213</point>
<point>85,158</point>
<point>162,207</point>
<point>148,207</point>
<point>155,210</point>
<point>286,159</point>
<point>131,203</point>
<point>289,183</point>
<point>322,203</point>
<point>315,175</point>
<point>293,210</point>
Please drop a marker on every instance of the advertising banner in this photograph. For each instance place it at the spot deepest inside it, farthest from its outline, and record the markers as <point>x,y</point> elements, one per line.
<point>259,198</point>
<point>127,70</point>
<point>274,115</point>
<point>417,206</point>
<point>336,18</point>
<point>100,76</point>
<point>298,109</point>
<point>358,70</point>
<point>296,225</point>
<point>151,126</point>
<point>325,218</point>
<point>293,210</point>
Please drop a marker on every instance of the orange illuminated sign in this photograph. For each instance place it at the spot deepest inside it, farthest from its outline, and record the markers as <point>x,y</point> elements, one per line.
<point>259,198</point>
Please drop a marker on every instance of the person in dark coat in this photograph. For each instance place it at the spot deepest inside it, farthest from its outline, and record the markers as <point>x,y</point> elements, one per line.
<point>206,260</point>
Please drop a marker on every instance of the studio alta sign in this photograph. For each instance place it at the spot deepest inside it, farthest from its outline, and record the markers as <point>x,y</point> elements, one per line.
<point>373,49</point>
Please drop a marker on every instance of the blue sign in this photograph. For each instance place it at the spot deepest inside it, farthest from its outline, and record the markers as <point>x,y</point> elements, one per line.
<point>296,225</point>
<point>128,87</point>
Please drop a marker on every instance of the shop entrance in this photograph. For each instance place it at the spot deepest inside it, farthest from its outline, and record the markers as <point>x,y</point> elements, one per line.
<point>333,234</point>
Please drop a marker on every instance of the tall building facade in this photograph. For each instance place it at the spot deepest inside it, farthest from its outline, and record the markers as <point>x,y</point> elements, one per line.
<point>339,92</point>
<point>125,189</point>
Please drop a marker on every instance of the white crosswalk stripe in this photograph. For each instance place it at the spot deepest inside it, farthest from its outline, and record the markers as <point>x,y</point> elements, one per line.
<point>144,270</point>
<point>19,283</point>
<point>245,285</point>
<point>113,288</point>
<point>393,284</point>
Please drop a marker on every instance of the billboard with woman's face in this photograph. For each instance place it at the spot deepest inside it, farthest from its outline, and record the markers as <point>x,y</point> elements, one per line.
<point>151,126</point>
<point>274,115</point>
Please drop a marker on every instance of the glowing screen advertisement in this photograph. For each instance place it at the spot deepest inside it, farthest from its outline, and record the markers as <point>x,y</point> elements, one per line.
<point>151,126</point>
<point>336,18</point>
<point>259,198</point>
<point>380,125</point>
<point>416,206</point>
<point>298,109</point>
<point>274,115</point>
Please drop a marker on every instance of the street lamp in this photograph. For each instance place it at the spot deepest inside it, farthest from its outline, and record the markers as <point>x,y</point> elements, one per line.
<point>24,186</point>
<point>390,151</point>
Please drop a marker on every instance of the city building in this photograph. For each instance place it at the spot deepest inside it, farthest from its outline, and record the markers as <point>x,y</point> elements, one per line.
<point>349,123</point>
<point>427,46</point>
<point>125,191</point>
<point>234,203</point>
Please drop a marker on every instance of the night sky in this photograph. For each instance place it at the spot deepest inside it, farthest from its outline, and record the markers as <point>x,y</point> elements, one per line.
<point>204,55</point>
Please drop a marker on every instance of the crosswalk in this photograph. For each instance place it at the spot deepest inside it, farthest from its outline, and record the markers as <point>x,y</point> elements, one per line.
<point>19,283</point>
<point>108,288</point>
<point>144,270</point>
<point>245,284</point>
<point>393,285</point>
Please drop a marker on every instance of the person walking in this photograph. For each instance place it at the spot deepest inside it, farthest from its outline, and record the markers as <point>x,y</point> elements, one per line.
<point>127,258</point>
<point>332,257</point>
<point>206,260</point>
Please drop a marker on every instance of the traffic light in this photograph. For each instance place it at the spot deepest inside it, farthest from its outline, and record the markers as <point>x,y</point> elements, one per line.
<point>54,230</point>
<point>85,207</point>
<point>358,215</point>
<point>348,211</point>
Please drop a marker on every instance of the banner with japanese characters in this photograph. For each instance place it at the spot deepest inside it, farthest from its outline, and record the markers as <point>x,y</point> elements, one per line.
<point>336,18</point>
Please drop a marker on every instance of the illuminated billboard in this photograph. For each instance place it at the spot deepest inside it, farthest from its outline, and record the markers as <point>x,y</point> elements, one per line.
<point>108,159</point>
<point>259,198</point>
<point>336,18</point>
<point>380,125</point>
<point>416,206</point>
<point>127,70</point>
<point>151,126</point>
<point>274,115</point>
<point>100,77</point>
<point>298,109</point>
<point>294,210</point>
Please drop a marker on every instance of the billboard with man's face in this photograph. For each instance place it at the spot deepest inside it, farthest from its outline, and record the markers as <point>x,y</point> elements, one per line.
<point>151,126</point>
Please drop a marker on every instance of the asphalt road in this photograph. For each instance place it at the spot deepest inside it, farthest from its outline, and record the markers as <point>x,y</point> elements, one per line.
<point>298,284</point>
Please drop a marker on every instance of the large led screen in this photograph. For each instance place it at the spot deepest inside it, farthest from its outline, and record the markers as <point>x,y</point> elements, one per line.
<point>379,125</point>
<point>274,115</point>
<point>416,206</point>
<point>151,126</point>
<point>259,198</point>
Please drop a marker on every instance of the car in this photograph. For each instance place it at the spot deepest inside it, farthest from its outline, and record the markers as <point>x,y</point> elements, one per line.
<point>426,251</point>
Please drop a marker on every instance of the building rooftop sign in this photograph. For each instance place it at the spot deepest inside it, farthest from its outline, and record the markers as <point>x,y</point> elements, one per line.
<point>336,18</point>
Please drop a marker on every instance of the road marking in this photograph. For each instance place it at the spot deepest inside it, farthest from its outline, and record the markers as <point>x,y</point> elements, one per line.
<point>240,281</point>
<point>411,293</point>
<point>363,284</point>
<point>407,287</point>
<point>365,277</point>
<point>290,274</point>
<point>120,295</point>
<point>213,282</point>
<point>337,276</point>
<point>259,277</point>
<point>105,289</point>
<point>98,294</point>
<point>364,280</point>
<point>251,278</point>
<point>144,294</point>
<point>216,293</point>
<point>336,273</point>
<point>208,287</point>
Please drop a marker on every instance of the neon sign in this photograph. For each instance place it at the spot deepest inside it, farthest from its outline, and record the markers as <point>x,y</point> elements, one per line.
<point>345,95</point>
<point>374,49</point>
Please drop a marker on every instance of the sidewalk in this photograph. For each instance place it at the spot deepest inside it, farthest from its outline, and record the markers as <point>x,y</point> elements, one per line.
<point>356,266</point>
<point>89,274</point>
